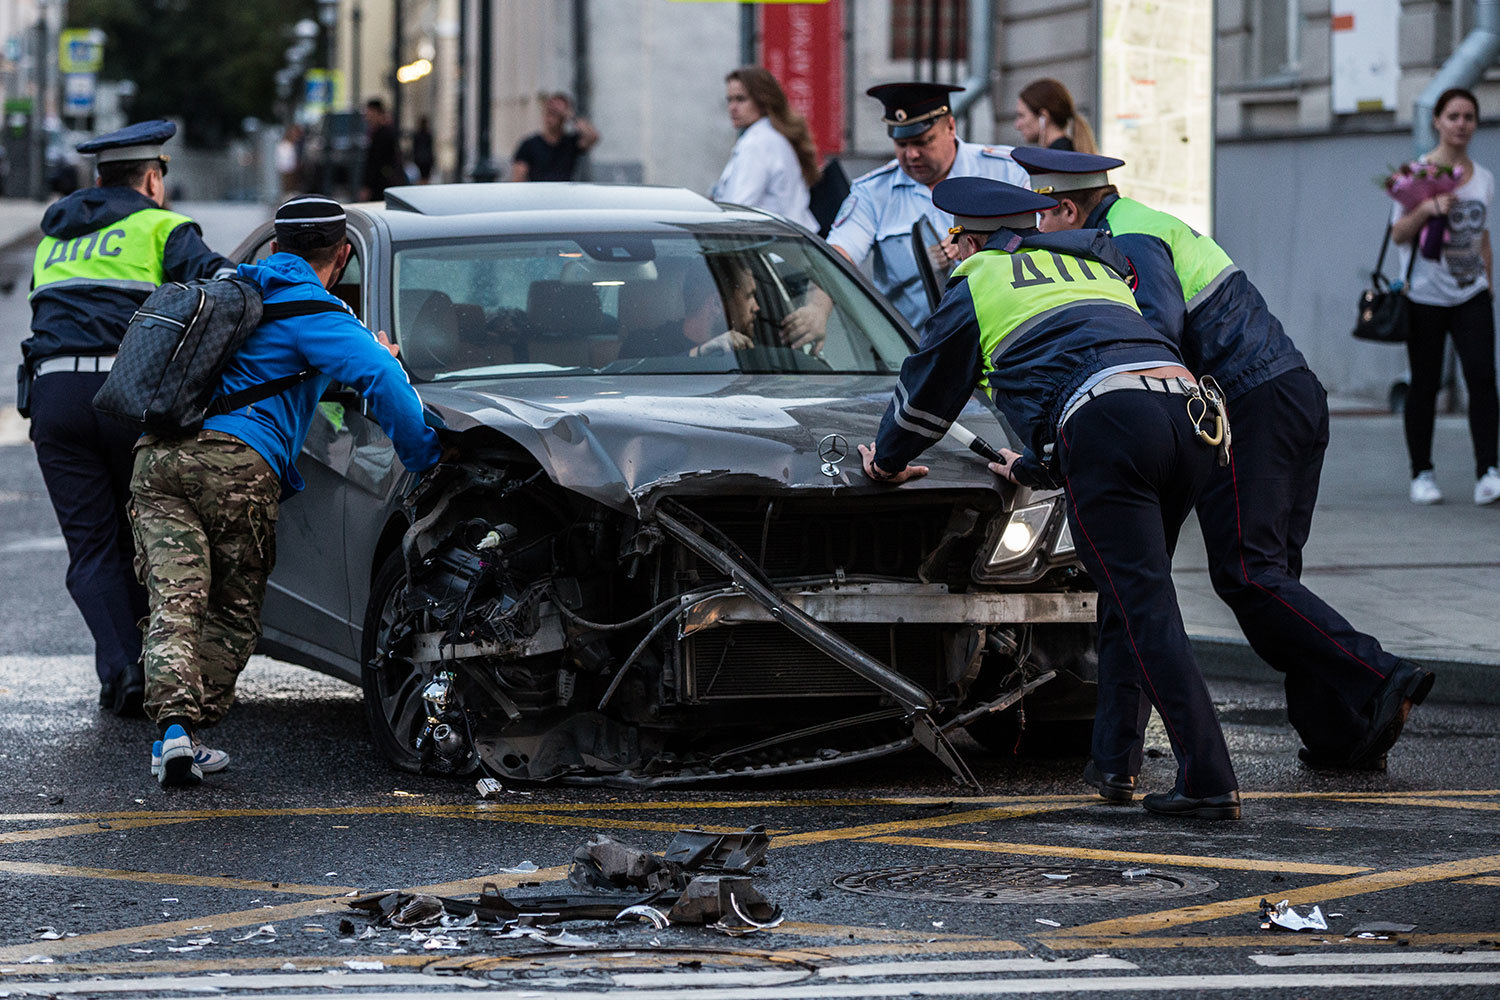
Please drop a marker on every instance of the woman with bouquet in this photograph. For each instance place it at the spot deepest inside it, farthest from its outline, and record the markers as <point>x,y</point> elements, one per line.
<point>1450,291</point>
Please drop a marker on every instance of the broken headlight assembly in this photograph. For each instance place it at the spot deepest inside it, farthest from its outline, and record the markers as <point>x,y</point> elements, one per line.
<point>1021,546</point>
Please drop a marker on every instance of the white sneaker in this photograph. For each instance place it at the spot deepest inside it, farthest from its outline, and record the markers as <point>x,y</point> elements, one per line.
<point>209,760</point>
<point>1487,490</point>
<point>177,764</point>
<point>1424,489</point>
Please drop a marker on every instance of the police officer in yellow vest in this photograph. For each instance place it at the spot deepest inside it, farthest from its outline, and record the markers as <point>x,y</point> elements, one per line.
<point>1105,409</point>
<point>1346,696</point>
<point>104,250</point>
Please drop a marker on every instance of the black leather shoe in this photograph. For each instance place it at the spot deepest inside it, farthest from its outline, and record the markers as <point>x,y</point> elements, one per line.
<point>107,696</point>
<point>130,701</point>
<point>1226,806</point>
<point>1320,762</point>
<point>1111,787</point>
<point>1407,685</point>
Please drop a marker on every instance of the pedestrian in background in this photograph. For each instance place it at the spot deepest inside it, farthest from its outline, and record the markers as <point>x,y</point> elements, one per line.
<point>553,153</point>
<point>1046,116</point>
<point>204,508</point>
<point>382,153</point>
<point>421,150</point>
<point>1452,296</point>
<point>774,161</point>
<point>105,249</point>
<point>289,159</point>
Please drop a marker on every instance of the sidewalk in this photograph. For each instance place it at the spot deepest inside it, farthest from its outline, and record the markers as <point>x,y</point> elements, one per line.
<point>1425,581</point>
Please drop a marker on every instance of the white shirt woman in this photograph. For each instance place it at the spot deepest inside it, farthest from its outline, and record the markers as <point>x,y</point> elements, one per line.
<point>763,170</point>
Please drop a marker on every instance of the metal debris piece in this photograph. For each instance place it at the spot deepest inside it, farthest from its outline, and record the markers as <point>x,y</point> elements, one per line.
<point>743,923</point>
<point>1284,916</point>
<point>1059,878</point>
<point>1136,872</point>
<point>709,899</point>
<point>1049,923</point>
<point>736,853</point>
<point>650,914</point>
<point>420,911</point>
<point>606,863</point>
<point>1383,927</point>
<point>489,788</point>
<point>557,938</point>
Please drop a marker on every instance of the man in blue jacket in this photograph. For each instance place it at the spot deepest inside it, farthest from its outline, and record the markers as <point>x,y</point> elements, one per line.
<point>103,250</point>
<point>1347,697</point>
<point>204,509</point>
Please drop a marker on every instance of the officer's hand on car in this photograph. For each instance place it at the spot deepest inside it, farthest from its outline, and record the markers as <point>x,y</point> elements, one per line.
<point>385,341</point>
<point>1006,470</point>
<point>724,343</point>
<point>875,472</point>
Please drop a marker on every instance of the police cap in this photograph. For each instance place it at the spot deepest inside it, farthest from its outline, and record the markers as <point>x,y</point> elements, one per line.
<point>982,205</point>
<point>141,141</point>
<point>310,222</point>
<point>1055,171</point>
<point>912,108</point>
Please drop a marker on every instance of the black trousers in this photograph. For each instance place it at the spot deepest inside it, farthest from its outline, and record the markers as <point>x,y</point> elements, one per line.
<point>1134,468</point>
<point>1472,326</point>
<point>86,461</point>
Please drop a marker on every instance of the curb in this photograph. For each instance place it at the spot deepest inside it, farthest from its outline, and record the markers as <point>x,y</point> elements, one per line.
<point>1459,681</point>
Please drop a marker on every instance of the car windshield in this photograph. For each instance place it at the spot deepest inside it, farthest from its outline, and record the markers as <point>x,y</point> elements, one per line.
<point>641,303</point>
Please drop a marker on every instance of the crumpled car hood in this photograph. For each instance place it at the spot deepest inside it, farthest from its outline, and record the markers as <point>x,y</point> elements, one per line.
<point>626,440</point>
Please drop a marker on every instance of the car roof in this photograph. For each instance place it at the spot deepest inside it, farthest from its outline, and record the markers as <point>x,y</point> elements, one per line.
<point>437,210</point>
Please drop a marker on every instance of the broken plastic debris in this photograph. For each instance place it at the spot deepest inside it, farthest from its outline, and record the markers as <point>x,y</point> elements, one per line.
<point>489,788</point>
<point>263,931</point>
<point>186,947</point>
<point>1136,872</point>
<point>441,942</point>
<point>286,967</point>
<point>1049,923</point>
<point>170,899</point>
<point>555,938</point>
<point>1284,916</point>
<point>37,960</point>
<point>1056,878</point>
<point>746,924</point>
<point>649,914</point>
<point>366,934</point>
<point>47,934</point>
<point>421,911</point>
<point>1373,937</point>
<point>365,965</point>
<point>524,868</point>
<point>201,941</point>
<point>1384,927</point>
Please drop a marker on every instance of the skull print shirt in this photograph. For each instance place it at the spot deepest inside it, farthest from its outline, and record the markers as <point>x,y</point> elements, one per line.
<point>1458,275</point>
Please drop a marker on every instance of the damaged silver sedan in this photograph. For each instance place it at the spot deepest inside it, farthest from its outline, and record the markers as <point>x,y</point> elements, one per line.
<point>657,560</point>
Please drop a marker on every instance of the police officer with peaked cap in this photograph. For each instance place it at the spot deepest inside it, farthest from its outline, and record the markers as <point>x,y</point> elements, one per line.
<point>882,205</point>
<point>104,250</point>
<point>1346,696</point>
<point>1105,409</point>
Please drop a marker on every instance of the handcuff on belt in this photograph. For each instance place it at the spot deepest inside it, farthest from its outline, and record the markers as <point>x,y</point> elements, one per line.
<point>1206,400</point>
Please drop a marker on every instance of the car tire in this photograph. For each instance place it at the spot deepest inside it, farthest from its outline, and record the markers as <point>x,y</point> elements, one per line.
<point>393,694</point>
<point>1001,733</point>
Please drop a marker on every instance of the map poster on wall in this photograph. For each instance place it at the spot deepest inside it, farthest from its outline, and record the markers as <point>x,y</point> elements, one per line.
<point>1156,77</point>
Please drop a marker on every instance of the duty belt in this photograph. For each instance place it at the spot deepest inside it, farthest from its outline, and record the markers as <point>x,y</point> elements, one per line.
<point>1177,386</point>
<point>73,363</point>
<point>1205,403</point>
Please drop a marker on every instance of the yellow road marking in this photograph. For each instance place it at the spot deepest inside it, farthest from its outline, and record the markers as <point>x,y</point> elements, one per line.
<point>923,823</point>
<point>1356,886</point>
<point>247,918</point>
<point>162,878</point>
<point>1266,940</point>
<point>1443,803</point>
<point>863,933</point>
<point>1187,860</point>
<point>552,819</point>
<point>1486,880</point>
<point>83,829</point>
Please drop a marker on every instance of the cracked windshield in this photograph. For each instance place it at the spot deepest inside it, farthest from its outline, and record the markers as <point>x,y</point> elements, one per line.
<point>647,304</point>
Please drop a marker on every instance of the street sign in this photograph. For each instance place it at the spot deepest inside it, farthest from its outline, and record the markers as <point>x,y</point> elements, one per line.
<point>78,93</point>
<point>80,50</point>
<point>322,91</point>
<point>803,47</point>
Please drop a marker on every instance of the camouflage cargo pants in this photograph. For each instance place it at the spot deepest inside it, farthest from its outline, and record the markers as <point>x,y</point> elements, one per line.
<point>203,511</point>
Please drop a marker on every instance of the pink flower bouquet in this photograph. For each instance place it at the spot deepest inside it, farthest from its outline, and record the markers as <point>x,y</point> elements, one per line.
<point>1413,183</point>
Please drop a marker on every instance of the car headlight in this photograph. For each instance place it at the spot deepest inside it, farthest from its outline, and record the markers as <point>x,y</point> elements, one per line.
<point>1022,532</point>
<point>1064,545</point>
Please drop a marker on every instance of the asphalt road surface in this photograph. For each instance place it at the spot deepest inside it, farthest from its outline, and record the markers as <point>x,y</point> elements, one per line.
<point>891,883</point>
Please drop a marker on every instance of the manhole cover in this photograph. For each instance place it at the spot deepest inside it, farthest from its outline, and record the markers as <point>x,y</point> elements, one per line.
<point>1023,883</point>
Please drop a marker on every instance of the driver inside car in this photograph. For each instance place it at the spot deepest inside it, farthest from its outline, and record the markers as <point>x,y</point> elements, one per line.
<point>707,308</point>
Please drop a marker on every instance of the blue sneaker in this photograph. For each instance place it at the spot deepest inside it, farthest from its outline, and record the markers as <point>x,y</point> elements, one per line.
<point>178,767</point>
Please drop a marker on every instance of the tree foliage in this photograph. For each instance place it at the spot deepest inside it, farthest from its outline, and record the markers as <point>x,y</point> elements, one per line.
<point>209,62</point>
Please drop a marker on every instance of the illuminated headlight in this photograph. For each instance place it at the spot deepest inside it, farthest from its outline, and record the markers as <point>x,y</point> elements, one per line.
<point>1064,546</point>
<point>1021,534</point>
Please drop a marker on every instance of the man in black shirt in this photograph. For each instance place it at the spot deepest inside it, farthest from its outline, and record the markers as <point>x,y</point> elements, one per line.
<point>382,153</point>
<point>552,154</point>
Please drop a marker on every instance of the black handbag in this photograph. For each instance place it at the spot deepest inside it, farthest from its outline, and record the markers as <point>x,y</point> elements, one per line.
<point>1383,314</point>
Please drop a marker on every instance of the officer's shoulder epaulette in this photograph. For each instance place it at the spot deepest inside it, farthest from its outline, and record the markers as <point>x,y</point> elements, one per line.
<point>877,172</point>
<point>997,152</point>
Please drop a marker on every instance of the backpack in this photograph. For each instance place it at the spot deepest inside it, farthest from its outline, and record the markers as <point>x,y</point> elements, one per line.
<point>177,346</point>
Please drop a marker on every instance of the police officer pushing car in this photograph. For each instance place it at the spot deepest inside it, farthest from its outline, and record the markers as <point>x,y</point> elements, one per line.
<point>1346,696</point>
<point>1106,410</point>
<point>104,250</point>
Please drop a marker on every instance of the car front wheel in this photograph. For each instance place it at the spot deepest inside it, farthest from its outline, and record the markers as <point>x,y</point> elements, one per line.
<point>392,686</point>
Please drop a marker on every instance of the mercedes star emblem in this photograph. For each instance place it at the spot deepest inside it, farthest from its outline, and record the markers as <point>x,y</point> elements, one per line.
<point>833,449</point>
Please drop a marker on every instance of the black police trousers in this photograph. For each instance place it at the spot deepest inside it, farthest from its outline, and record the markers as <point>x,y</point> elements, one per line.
<point>1255,516</point>
<point>1134,468</point>
<point>86,461</point>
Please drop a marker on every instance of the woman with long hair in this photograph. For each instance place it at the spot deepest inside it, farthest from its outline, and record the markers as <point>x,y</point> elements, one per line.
<point>774,161</point>
<point>1450,295</point>
<point>1045,116</point>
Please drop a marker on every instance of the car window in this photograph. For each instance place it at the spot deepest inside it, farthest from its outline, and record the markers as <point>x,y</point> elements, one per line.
<point>644,303</point>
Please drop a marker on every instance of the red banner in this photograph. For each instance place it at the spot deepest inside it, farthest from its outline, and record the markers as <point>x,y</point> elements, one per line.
<point>802,44</point>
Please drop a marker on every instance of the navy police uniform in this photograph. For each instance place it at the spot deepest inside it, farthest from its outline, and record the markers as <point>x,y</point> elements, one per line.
<point>1049,323</point>
<point>877,215</point>
<point>1256,512</point>
<point>105,249</point>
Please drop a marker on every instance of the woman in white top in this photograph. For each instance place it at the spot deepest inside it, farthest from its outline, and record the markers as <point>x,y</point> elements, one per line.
<point>773,162</point>
<point>1451,296</point>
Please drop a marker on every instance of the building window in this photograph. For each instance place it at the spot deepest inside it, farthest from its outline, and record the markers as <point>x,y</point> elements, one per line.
<point>930,29</point>
<point>1274,35</point>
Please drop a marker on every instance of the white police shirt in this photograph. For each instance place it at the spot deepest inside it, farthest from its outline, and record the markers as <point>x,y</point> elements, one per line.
<point>763,172</point>
<point>882,206</point>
